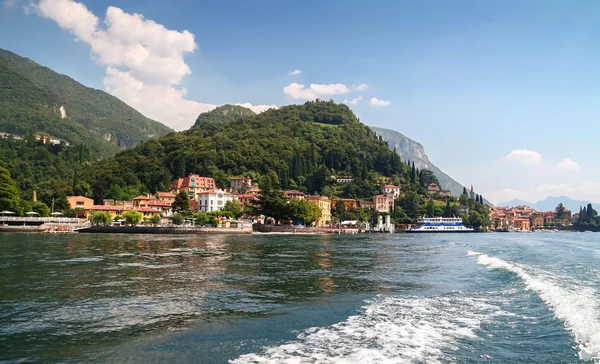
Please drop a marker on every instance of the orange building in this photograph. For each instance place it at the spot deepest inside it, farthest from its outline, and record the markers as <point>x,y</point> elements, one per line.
<point>522,224</point>
<point>349,203</point>
<point>192,185</point>
<point>80,202</point>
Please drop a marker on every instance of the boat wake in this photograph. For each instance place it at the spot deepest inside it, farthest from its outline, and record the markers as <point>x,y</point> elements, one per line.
<point>390,330</point>
<point>571,302</point>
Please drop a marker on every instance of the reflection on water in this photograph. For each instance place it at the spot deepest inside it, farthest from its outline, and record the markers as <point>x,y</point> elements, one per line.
<point>64,295</point>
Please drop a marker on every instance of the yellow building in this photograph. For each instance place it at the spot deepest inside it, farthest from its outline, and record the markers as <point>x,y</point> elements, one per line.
<point>80,202</point>
<point>324,204</point>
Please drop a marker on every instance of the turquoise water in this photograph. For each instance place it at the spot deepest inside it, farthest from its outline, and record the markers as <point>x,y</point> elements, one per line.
<point>473,298</point>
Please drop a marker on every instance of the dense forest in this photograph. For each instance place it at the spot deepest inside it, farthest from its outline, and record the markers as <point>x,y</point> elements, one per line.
<point>31,97</point>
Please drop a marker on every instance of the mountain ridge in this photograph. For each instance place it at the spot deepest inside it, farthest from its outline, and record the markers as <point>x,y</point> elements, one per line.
<point>549,203</point>
<point>68,109</point>
<point>410,150</point>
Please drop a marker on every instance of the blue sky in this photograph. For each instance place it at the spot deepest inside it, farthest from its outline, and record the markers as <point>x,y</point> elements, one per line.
<point>500,93</point>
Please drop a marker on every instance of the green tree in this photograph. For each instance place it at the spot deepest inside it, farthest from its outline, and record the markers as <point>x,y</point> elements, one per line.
<point>101,217</point>
<point>304,211</point>
<point>178,218</point>
<point>201,217</point>
<point>9,195</point>
<point>181,204</point>
<point>561,211</point>
<point>155,219</point>
<point>132,217</point>
<point>273,204</point>
<point>232,208</point>
<point>448,209</point>
<point>430,208</point>
<point>41,208</point>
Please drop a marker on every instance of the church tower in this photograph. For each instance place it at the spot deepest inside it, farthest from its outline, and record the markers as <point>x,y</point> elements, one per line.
<point>472,193</point>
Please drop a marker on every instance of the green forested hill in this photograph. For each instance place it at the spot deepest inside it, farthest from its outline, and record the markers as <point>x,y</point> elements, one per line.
<point>31,97</point>
<point>296,146</point>
<point>224,113</point>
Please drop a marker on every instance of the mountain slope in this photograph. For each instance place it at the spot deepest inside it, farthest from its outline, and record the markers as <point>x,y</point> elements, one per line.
<point>549,203</point>
<point>412,151</point>
<point>39,100</point>
<point>294,147</point>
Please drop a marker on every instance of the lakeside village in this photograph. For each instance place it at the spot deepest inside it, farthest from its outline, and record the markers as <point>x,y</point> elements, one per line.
<point>196,202</point>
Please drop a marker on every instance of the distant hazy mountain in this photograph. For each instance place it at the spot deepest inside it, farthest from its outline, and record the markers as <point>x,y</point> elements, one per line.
<point>549,203</point>
<point>35,99</point>
<point>413,151</point>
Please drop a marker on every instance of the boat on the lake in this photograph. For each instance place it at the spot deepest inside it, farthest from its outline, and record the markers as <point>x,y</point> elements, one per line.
<point>440,225</point>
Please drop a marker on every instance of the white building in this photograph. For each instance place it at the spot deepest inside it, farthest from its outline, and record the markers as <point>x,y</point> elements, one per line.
<point>213,200</point>
<point>344,179</point>
<point>391,190</point>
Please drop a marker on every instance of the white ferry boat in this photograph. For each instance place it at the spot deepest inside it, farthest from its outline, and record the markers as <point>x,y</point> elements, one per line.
<point>440,225</point>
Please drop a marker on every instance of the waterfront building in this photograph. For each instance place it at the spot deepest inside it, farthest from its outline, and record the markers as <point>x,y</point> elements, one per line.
<point>214,200</point>
<point>383,203</point>
<point>80,202</point>
<point>192,185</point>
<point>325,205</point>
<point>240,184</point>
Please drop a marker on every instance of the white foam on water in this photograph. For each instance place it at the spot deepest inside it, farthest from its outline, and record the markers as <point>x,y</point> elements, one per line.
<point>391,330</point>
<point>575,304</point>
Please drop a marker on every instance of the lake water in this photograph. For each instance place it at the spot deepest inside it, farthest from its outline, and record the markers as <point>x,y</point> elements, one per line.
<point>474,298</point>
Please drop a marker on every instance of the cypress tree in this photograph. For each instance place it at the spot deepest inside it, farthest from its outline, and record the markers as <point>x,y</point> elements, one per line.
<point>464,191</point>
<point>413,175</point>
<point>447,209</point>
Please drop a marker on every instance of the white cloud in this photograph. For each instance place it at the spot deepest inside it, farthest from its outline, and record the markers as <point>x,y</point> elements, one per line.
<point>375,101</point>
<point>298,91</point>
<point>524,156</point>
<point>569,165</point>
<point>295,72</point>
<point>8,4</point>
<point>360,87</point>
<point>353,101</point>
<point>145,61</point>
<point>257,108</point>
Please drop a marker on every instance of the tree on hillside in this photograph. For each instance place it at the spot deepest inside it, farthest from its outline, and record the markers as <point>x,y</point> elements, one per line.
<point>428,177</point>
<point>9,195</point>
<point>182,203</point>
<point>448,209</point>
<point>430,212</point>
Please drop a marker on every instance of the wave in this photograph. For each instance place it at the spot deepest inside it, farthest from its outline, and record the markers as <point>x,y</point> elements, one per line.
<point>574,304</point>
<point>391,329</point>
